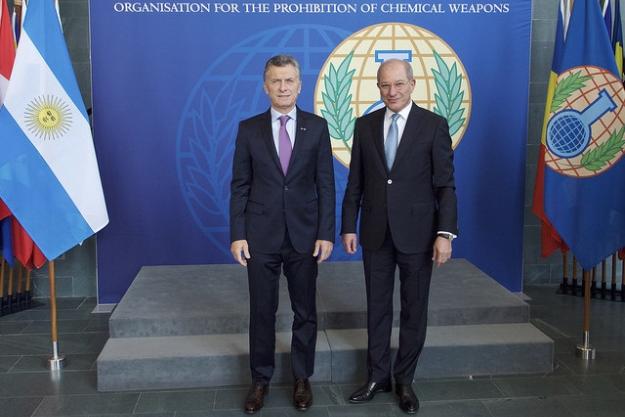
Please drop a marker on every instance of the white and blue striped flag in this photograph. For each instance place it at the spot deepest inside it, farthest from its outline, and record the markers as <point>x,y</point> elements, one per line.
<point>49,175</point>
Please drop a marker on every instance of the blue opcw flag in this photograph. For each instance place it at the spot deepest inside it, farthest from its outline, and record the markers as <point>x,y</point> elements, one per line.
<point>49,176</point>
<point>583,195</point>
<point>606,10</point>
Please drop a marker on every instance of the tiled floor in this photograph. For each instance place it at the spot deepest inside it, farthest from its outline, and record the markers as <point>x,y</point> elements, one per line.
<point>573,389</point>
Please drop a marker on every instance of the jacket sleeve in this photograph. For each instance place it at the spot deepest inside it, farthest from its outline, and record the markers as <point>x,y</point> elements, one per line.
<point>325,187</point>
<point>240,185</point>
<point>353,191</point>
<point>443,179</point>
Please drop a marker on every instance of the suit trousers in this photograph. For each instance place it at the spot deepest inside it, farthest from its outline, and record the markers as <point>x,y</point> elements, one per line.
<point>263,271</point>
<point>415,271</point>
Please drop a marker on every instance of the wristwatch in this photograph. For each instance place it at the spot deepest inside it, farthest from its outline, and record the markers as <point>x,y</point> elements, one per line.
<point>447,236</point>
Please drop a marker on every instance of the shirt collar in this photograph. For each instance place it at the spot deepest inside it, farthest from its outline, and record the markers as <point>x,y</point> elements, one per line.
<point>403,112</point>
<point>275,114</point>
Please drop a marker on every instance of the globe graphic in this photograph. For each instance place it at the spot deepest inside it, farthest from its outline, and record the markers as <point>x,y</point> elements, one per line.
<point>368,46</point>
<point>229,91</point>
<point>567,134</point>
<point>566,150</point>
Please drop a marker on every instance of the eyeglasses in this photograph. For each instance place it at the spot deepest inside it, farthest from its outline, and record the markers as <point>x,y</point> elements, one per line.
<point>399,85</point>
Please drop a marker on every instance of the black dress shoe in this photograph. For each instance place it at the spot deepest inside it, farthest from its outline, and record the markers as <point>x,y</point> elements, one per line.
<point>255,397</point>
<point>302,394</point>
<point>368,391</point>
<point>408,401</point>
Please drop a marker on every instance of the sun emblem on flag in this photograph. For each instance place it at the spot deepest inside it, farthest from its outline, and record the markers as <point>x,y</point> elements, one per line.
<point>48,117</point>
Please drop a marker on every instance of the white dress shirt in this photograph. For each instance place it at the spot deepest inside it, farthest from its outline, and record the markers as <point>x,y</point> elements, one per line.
<point>401,121</point>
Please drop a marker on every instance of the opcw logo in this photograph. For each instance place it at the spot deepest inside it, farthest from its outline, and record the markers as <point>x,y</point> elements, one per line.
<point>347,89</point>
<point>581,138</point>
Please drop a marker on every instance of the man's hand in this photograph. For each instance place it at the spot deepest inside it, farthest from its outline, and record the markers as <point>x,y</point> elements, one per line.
<point>442,251</point>
<point>350,243</point>
<point>240,251</point>
<point>323,249</point>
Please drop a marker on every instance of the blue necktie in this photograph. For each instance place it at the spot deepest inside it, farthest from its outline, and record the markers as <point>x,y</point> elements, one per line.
<point>390,146</point>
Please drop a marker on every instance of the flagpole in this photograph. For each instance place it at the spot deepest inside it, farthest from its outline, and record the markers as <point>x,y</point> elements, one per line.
<point>56,361</point>
<point>574,281</point>
<point>29,294</point>
<point>623,280</point>
<point>585,351</point>
<point>613,281</point>
<point>565,272</point>
<point>10,290</point>
<point>1,286</point>
<point>19,300</point>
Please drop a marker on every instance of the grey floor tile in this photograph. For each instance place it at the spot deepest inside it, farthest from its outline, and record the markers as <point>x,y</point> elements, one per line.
<point>24,344</point>
<point>7,362</point>
<point>165,401</point>
<point>209,413</point>
<point>172,414</point>
<point>602,386</point>
<point>535,386</point>
<point>38,363</point>
<point>454,409</point>
<point>619,381</point>
<point>365,410</point>
<point>527,407</point>
<point>64,326</point>
<point>99,323</point>
<point>62,303</point>
<point>41,384</point>
<point>581,407</point>
<point>39,344</point>
<point>604,363</point>
<point>19,407</point>
<point>83,405</point>
<point>13,327</point>
<point>456,390</point>
<point>314,411</point>
<point>328,395</point>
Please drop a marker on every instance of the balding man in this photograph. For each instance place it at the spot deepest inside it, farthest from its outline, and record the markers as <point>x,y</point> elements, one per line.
<point>402,179</point>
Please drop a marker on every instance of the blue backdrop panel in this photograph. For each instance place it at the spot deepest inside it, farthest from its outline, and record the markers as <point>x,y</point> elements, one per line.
<point>172,79</point>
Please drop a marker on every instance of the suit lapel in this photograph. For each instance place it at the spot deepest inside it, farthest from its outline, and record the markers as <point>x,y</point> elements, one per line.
<point>267,135</point>
<point>411,133</point>
<point>378,127</point>
<point>301,133</point>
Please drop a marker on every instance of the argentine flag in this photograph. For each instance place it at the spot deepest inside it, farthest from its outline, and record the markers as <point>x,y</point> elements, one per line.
<point>49,175</point>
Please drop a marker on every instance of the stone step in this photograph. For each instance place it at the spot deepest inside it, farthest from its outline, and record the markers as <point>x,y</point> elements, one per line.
<point>213,299</point>
<point>222,359</point>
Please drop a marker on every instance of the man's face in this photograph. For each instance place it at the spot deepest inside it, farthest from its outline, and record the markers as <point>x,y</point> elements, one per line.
<point>395,87</point>
<point>282,85</point>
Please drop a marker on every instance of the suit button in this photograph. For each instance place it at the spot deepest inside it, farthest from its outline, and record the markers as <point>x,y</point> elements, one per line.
<point>286,188</point>
<point>389,182</point>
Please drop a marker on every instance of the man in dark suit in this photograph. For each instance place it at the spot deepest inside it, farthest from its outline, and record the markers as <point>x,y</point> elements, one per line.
<point>282,217</point>
<point>401,178</point>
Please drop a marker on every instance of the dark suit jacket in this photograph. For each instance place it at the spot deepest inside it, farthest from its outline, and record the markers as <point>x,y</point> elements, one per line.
<point>416,198</point>
<point>264,201</point>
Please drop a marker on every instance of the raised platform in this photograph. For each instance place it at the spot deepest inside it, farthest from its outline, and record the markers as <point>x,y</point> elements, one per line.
<point>186,326</point>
